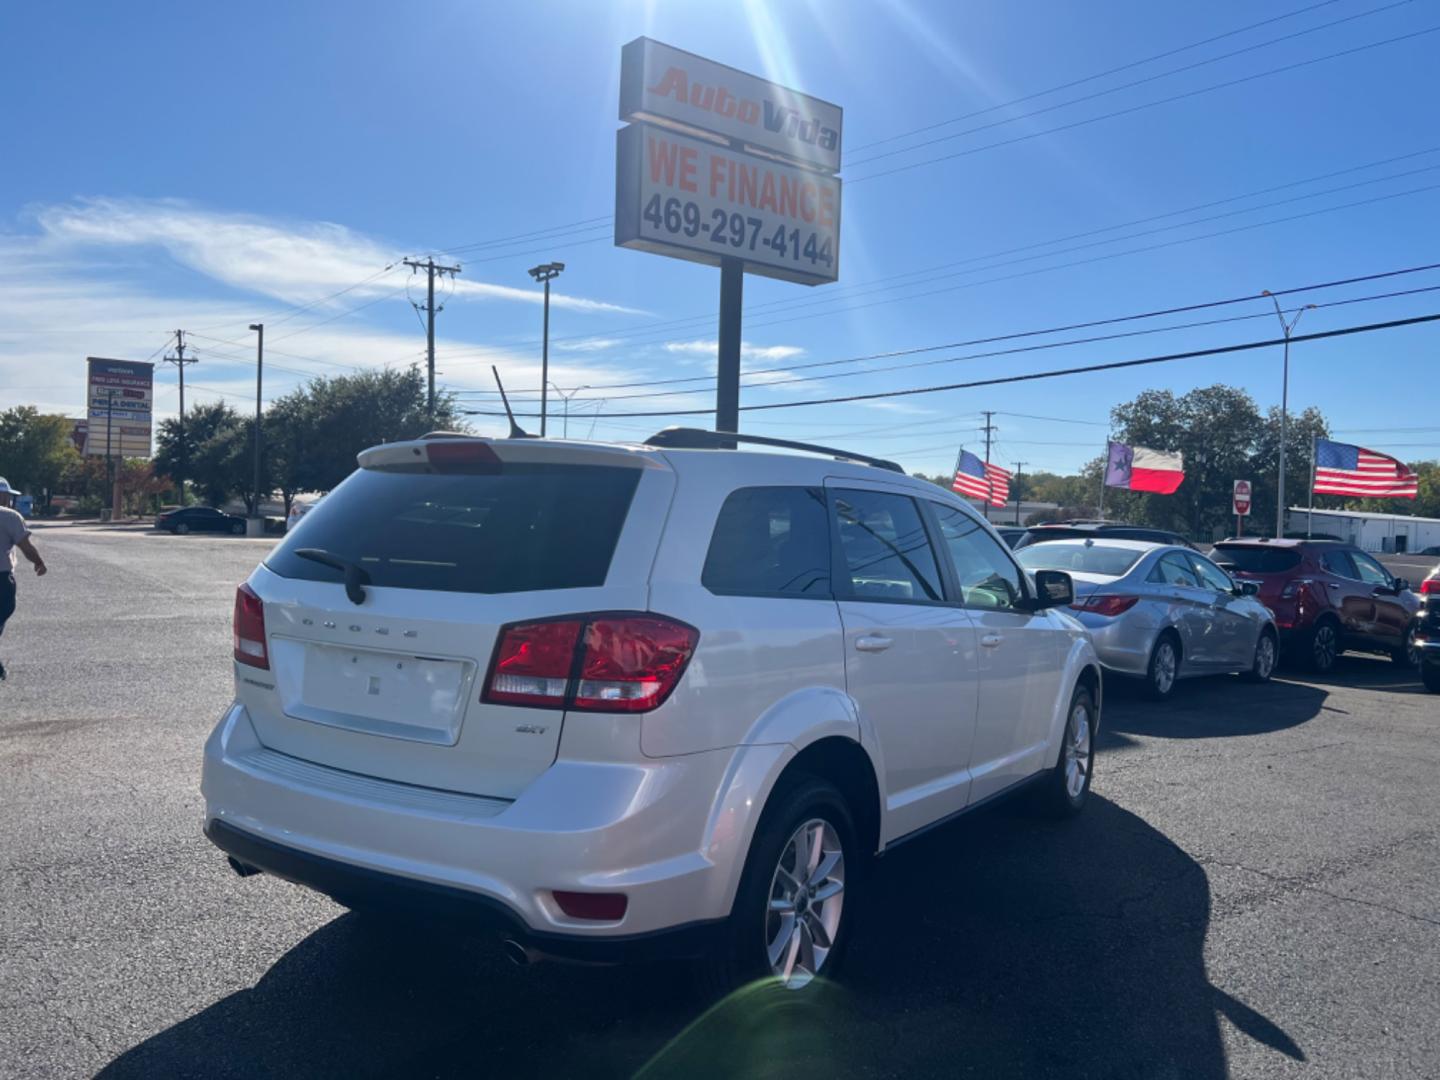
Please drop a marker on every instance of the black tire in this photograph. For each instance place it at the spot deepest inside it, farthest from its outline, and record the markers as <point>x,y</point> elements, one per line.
<point>1430,676</point>
<point>1323,647</point>
<point>180,529</point>
<point>741,956</point>
<point>1157,688</point>
<point>237,529</point>
<point>1261,668</point>
<point>1407,656</point>
<point>1055,796</point>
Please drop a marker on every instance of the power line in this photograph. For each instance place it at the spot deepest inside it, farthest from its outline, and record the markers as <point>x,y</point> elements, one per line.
<point>1129,85</point>
<point>579,226</point>
<point>1006,379</point>
<point>1085,325</point>
<point>1147,105</point>
<point>1092,78</point>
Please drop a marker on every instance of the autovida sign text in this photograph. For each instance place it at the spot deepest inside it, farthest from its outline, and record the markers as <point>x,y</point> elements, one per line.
<point>722,167</point>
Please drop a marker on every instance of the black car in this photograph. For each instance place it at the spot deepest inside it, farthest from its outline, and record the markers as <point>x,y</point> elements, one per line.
<point>1430,551</point>
<point>1011,534</point>
<point>1425,631</point>
<point>1108,530</point>
<point>200,519</point>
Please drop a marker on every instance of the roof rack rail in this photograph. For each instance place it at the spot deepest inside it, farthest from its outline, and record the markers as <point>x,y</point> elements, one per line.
<point>686,438</point>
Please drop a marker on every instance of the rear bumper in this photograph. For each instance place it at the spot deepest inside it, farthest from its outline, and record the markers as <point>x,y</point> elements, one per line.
<point>652,830</point>
<point>472,912</point>
<point>1122,647</point>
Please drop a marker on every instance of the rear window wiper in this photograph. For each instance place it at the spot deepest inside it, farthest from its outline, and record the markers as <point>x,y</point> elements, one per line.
<point>356,576</point>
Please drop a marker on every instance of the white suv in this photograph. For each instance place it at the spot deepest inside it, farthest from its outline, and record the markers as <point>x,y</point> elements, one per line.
<point>659,700</point>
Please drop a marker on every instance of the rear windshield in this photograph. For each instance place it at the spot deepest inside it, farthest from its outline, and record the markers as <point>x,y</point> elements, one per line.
<point>1256,560</point>
<point>1084,558</point>
<point>526,528</point>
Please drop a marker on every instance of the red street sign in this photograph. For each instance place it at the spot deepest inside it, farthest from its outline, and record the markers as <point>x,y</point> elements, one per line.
<point>1242,498</point>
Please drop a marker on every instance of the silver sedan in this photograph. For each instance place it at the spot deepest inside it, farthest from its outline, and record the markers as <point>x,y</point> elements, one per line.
<point>1161,612</point>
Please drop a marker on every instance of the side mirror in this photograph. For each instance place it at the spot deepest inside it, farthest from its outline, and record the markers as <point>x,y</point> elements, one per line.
<point>1400,584</point>
<point>1053,588</point>
<point>1247,588</point>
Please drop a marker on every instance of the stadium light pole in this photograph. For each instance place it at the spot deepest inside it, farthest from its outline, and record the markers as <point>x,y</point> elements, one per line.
<point>259,328</point>
<point>545,272</point>
<point>1287,328</point>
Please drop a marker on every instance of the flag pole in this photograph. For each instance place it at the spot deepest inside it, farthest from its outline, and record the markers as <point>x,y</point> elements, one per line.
<point>1104,468</point>
<point>1310,509</point>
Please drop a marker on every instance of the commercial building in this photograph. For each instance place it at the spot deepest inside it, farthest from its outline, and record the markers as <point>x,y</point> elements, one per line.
<point>1366,530</point>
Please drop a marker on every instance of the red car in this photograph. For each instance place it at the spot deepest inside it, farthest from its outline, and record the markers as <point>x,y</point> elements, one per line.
<point>1327,597</point>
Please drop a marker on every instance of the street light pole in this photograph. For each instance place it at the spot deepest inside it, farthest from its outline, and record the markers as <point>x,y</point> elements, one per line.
<point>565,431</point>
<point>1287,328</point>
<point>545,272</point>
<point>259,328</point>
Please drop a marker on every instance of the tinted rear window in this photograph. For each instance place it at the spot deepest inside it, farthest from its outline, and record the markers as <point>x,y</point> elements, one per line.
<point>523,529</point>
<point>1086,559</point>
<point>1256,560</point>
<point>770,541</point>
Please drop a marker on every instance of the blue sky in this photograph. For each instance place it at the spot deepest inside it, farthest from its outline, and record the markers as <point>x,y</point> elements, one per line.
<point>202,166</point>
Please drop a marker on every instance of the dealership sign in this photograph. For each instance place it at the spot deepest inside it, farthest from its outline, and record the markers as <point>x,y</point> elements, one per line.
<point>671,87</point>
<point>692,199</point>
<point>119,392</point>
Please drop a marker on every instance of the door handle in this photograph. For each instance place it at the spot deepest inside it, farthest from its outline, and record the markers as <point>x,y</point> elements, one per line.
<point>873,643</point>
<point>1332,585</point>
<point>991,640</point>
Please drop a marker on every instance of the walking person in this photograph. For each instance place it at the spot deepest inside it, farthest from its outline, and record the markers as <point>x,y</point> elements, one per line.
<point>13,534</point>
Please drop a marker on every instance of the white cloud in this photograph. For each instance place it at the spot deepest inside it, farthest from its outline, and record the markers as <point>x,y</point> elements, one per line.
<point>295,262</point>
<point>748,351</point>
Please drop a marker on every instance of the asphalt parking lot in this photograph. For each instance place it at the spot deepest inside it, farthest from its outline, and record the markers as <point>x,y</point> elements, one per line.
<point>1254,892</point>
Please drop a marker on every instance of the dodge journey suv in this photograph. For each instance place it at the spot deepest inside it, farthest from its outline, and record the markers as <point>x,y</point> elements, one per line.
<point>659,700</point>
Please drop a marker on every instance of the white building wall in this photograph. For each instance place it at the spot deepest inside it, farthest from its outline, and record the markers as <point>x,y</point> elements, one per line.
<point>1371,532</point>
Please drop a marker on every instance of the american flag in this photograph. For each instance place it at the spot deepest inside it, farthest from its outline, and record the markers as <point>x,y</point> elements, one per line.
<point>1342,469</point>
<point>976,479</point>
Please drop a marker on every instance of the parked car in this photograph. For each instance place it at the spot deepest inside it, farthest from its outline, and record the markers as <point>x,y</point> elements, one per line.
<point>1162,612</point>
<point>298,510</point>
<point>1430,551</point>
<point>200,519</point>
<point>1011,534</point>
<point>1099,530</point>
<point>1327,597</point>
<point>681,730</point>
<point>1425,632</point>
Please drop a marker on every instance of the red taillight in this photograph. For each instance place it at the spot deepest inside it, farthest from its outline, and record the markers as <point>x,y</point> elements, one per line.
<point>249,628</point>
<point>1430,586</point>
<point>601,907</point>
<point>534,663</point>
<point>599,663</point>
<point>1109,606</point>
<point>1294,587</point>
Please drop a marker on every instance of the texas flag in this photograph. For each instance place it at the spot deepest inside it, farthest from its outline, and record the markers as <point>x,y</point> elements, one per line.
<point>1137,468</point>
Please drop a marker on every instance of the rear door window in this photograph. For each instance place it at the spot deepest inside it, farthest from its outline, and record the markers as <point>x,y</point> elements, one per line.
<point>523,528</point>
<point>770,541</point>
<point>886,548</point>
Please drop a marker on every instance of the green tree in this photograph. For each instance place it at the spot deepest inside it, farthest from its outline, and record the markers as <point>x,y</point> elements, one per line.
<point>1301,431</point>
<point>35,450</point>
<point>206,444</point>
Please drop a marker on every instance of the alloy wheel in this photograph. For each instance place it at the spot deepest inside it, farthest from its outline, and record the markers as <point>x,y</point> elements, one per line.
<point>1325,647</point>
<point>1165,667</point>
<point>1265,657</point>
<point>807,894</point>
<point>1077,750</point>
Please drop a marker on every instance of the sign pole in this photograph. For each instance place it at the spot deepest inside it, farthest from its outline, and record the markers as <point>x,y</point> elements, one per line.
<point>1104,468</point>
<point>1310,508</point>
<point>727,375</point>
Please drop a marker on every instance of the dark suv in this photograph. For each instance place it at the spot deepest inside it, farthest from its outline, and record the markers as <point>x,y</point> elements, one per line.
<point>1099,530</point>
<point>1425,631</point>
<point>1327,597</point>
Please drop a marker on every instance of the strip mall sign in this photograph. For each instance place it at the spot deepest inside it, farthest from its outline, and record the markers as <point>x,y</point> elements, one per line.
<point>674,88</point>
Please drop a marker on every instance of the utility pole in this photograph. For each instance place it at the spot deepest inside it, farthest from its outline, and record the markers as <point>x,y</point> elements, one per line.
<point>1288,328</point>
<point>180,360</point>
<point>430,310</point>
<point>545,272</point>
<point>989,483</point>
<point>565,431</point>
<point>259,328</point>
<point>1019,473</point>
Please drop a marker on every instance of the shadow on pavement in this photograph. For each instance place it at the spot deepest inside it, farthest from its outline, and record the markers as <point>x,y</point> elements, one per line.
<point>1209,707</point>
<point>1000,946</point>
<point>1371,672</point>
